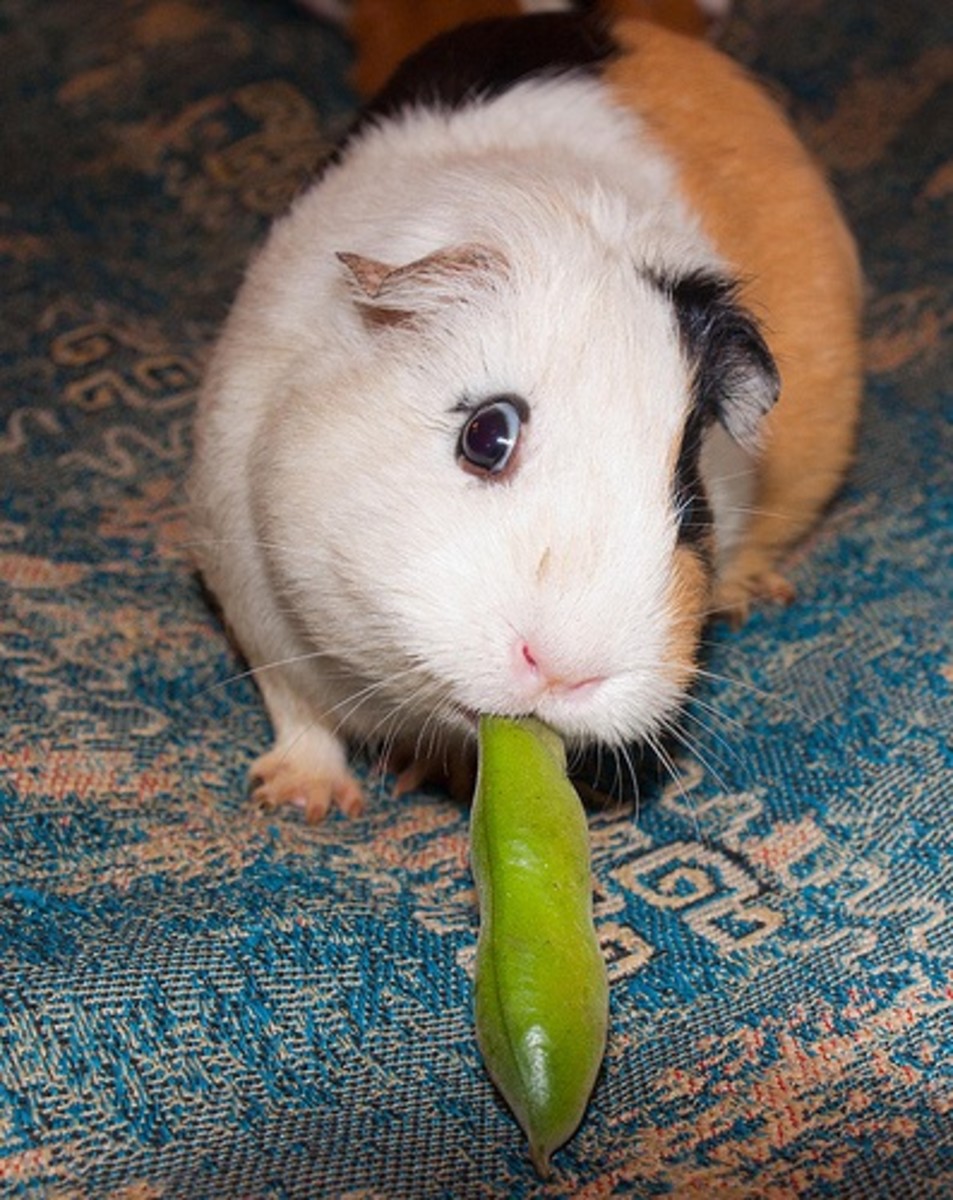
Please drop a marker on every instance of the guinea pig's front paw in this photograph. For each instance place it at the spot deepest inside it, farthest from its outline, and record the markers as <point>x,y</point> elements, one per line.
<point>298,775</point>
<point>736,592</point>
<point>456,775</point>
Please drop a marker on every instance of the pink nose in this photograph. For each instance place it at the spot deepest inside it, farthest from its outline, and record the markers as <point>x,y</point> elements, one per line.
<point>535,673</point>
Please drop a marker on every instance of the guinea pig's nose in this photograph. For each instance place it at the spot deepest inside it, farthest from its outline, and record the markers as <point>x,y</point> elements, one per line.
<point>535,675</point>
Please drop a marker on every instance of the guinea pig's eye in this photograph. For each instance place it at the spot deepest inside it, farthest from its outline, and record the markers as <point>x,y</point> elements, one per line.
<point>488,439</point>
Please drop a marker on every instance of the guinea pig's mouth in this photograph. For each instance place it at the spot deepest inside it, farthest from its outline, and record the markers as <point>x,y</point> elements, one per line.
<point>471,716</point>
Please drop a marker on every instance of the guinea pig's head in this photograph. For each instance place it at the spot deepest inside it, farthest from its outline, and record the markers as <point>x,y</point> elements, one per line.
<point>492,503</point>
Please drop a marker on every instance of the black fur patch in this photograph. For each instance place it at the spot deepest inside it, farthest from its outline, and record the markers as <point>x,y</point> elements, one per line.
<point>695,522</point>
<point>734,379</point>
<point>484,59</point>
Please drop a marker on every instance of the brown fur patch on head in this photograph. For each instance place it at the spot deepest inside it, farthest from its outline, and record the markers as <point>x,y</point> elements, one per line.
<point>688,602</point>
<point>684,16</point>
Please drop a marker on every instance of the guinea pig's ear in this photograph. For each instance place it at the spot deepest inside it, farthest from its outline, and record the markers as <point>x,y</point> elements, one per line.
<point>735,377</point>
<point>415,289</point>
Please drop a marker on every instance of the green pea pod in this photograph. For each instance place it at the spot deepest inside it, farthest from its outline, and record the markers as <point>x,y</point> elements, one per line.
<point>541,988</point>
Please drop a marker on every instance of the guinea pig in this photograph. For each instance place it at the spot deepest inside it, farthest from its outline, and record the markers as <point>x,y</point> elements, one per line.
<point>557,355</point>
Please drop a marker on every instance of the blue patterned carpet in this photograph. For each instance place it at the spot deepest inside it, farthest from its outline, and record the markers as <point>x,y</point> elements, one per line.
<point>197,1001</point>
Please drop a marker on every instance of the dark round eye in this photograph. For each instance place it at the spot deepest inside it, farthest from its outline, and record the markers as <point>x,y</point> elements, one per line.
<point>489,437</point>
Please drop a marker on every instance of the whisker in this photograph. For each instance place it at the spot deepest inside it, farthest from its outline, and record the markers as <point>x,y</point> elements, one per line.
<point>706,759</point>
<point>431,730</point>
<point>754,510</point>
<point>390,726</point>
<point>356,699</point>
<point>744,473</point>
<point>696,701</point>
<point>622,751</point>
<point>771,697</point>
<point>264,544</point>
<point>655,744</point>
<point>387,727</point>
<point>254,672</point>
<point>730,752</point>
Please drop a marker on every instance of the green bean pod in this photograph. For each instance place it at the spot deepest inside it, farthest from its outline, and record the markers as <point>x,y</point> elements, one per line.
<point>541,1001</point>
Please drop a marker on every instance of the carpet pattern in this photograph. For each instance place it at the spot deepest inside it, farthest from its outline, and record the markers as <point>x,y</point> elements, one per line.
<point>200,1001</point>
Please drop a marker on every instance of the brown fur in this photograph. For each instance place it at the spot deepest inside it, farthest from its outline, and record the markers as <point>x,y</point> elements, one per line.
<point>769,213</point>
<point>689,596</point>
<point>386,31</point>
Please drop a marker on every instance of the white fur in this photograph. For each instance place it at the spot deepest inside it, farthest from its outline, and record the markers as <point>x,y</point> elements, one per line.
<point>333,519</point>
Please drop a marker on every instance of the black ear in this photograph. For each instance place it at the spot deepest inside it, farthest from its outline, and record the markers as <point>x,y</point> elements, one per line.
<point>735,378</point>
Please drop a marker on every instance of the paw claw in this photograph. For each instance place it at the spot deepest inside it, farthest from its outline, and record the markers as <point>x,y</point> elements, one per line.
<point>284,778</point>
<point>735,595</point>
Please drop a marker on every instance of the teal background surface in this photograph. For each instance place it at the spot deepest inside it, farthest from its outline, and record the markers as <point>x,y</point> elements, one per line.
<point>197,1000</point>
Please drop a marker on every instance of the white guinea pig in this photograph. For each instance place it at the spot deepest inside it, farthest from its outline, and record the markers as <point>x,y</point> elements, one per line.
<point>491,426</point>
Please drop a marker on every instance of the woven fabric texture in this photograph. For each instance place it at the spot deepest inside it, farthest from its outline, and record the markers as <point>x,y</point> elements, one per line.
<point>200,1001</point>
